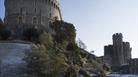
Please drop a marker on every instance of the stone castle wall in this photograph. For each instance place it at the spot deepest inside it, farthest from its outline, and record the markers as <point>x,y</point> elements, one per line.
<point>108,54</point>
<point>32,12</point>
<point>118,53</point>
<point>133,66</point>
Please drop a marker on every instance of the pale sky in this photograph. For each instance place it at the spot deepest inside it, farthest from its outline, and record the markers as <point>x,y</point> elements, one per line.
<point>97,20</point>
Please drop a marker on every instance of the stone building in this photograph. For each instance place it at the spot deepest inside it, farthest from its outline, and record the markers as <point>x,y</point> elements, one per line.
<point>127,52</point>
<point>133,66</point>
<point>20,14</point>
<point>108,54</point>
<point>119,53</point>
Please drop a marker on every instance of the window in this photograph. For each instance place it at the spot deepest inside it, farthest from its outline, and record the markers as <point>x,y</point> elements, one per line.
<point>49,1</point>
<point>49,24</point>
<point>35,10</point>
<point>50,15</point>
<point>54,5</point>
<point>35,2</point>
<point>20,20</point>
<point>34,20</point>
<point>22,11</point>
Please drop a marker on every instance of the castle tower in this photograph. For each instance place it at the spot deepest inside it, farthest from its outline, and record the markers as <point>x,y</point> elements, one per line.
<point>117,54</point>
<point>21,14</point>
<point>127,51</point>
<point>108,54</point>
<point>118,49</point>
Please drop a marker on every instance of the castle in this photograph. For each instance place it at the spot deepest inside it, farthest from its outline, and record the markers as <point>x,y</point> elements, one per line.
<point>119,53</point>
<point>22,14</point>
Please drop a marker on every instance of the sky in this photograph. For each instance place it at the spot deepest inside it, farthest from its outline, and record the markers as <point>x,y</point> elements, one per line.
<point>97,20</point>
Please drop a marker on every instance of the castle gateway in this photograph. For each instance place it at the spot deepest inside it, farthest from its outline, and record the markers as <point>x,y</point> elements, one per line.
<point>22,14</point>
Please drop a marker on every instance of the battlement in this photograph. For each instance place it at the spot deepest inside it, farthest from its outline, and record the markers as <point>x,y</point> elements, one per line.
<point>117,36</point>
<point>126,44</point>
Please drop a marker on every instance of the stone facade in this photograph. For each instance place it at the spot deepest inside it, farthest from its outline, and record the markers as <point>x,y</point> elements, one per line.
<point>21,14</point>
<point>108,54</point>
<point>119,53</point>
<point>133,66</point>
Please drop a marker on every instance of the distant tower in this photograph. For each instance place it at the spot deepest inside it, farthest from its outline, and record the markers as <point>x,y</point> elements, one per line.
<point>21,14</point>
<point>127,51</point>
<point>119,53</point>
<point>118,49</point>
<point>108,54</point>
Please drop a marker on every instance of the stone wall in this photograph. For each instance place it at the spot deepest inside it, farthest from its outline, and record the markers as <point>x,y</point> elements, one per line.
<point>133,65</point>
<point>32,12</point>
<point>11,59</point>
<point>108,54</point>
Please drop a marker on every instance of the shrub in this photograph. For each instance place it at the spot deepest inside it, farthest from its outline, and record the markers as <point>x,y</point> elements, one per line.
<point>31,34</point>
<point>36,61</point>
<point>72,46</point>
<point>64,31</point>
<point>5,34</point>
<point>1,22</point>
<point>43,62</point>
<point>46,39</point>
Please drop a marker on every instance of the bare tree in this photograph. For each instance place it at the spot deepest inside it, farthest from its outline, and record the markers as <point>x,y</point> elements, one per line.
<point>81,44</point>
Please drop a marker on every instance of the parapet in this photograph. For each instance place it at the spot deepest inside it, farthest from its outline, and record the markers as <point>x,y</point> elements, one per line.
<point>117,35</point>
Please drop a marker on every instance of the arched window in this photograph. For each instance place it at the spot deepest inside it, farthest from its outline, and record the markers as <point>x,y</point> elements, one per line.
<point>49,24</point>
<point>54,5</point>
<point>48,1</point>
<point>22,11</point>
<point>35,2</point>
<point>35,10</point>
<point>50,15</point>
<point>20,20</point>
<point>34,20</point>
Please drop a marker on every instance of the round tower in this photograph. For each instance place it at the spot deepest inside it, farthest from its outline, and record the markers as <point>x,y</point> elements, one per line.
<point>118,49</point>
<point>117,38</point>
<point>24,13</point>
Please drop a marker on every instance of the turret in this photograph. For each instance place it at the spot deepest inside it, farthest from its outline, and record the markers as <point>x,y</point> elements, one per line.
<point>117,38</point>
<point>118,49</point>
